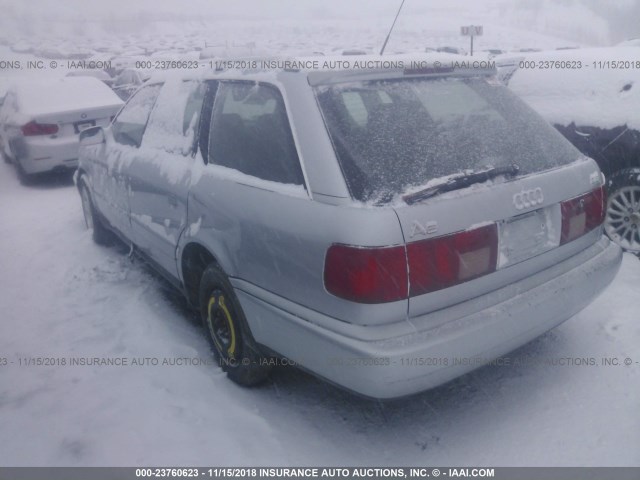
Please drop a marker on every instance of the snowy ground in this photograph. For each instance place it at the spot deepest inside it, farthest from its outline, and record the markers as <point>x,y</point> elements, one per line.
<point>63,296</point>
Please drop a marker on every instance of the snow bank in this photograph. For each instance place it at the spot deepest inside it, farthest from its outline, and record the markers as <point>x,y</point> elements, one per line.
<point>604,92</point>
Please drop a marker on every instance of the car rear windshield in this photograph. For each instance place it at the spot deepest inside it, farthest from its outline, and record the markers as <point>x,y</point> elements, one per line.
<point>396,134</point>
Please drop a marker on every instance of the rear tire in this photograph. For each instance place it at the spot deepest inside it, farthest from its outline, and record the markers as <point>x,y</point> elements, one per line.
<point>622,220</point>
<point>101,235</point>
<point>227,330</point>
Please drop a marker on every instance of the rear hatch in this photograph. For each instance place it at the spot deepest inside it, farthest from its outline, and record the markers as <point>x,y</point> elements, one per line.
<point>486,192</point>
<point>468,242</point>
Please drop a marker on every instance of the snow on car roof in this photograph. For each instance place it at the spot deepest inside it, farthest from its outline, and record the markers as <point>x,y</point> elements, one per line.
<point>597,87</point>
<point>39,97</point>
<point>95,73</point>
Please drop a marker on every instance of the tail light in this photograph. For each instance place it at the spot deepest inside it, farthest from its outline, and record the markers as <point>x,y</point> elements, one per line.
<point>582,214</point>
<point>388,274</point>
<point>445,261</point>
<point>379,275</point>
<point>33,128</point>
<point>366,275</point>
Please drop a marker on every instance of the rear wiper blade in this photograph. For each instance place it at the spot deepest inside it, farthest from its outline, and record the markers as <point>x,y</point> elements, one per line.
<point>461,181</point>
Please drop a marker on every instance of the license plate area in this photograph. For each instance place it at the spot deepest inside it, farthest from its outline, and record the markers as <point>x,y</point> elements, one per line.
<point>83,125</point>
<point>528,235</point>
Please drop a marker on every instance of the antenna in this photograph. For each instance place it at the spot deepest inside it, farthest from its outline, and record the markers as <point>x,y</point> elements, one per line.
<point>391,29</point>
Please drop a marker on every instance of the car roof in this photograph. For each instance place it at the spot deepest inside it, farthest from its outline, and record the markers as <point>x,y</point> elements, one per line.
<point>335,69</point>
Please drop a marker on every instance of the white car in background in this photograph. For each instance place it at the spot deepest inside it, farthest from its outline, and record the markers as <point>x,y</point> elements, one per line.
<point>632,42</point>
<point>101,75</point>
<point>40,121</point>
<point>127,82</point>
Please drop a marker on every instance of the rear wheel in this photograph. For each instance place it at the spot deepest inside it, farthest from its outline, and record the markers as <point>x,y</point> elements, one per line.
<point>622,221</point>
<point>228,331</point>
<point>101,235</point>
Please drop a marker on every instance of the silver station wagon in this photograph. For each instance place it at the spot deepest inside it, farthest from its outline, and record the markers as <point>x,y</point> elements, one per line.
<point>387,229</point>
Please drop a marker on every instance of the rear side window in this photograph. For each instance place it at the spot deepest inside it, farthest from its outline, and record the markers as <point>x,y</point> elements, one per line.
<point>250,132</point>
<point>395,134</point>
<point>174,120</point>
<point>129,126</point>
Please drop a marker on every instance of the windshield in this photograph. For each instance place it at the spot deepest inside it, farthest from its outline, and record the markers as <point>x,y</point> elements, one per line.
<point>396,134</point>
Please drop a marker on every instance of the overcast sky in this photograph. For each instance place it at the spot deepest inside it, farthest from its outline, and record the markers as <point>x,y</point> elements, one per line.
<point>620,18</point>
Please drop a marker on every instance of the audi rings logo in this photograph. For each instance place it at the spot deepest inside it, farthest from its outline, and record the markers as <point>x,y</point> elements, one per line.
<point>528,198</point>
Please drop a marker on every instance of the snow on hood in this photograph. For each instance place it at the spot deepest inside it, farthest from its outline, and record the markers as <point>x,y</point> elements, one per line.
<point>67,94</point>
<point>604,93</point>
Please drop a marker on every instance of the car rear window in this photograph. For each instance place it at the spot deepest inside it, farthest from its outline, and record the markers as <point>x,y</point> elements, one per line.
<point>396,134</point>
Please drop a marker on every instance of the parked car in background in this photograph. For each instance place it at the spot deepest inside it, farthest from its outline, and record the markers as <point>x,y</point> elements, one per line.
<point>380,228</point>
<point>127,82</point>
<point>40,121</point>
<point>594,101</point>
<point>233,50</point>
<point>454,50</point>
<point>101,75</point>
<point>507,64</point>
<point>354,51</point>
<point>492,52</point>
<point>632,42</point>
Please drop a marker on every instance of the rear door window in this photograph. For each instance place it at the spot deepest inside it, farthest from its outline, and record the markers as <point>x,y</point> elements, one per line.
<point>130,124</point>
<point>174,121</point>
<point>250,132</point>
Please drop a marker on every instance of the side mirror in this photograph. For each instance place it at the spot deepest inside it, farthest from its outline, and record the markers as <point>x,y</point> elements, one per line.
<point>92,136</point>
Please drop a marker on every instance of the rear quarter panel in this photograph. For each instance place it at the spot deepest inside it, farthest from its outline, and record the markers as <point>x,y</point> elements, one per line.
<point>278,241</point>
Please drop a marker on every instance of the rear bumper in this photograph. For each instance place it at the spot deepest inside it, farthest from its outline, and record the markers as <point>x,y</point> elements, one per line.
<point>42,154</point>
<point>394,366</point>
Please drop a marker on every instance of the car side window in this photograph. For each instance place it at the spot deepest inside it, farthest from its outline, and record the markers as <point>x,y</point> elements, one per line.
<point>174,121</point>
<point>129,126</point>
<point>250,132</point>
